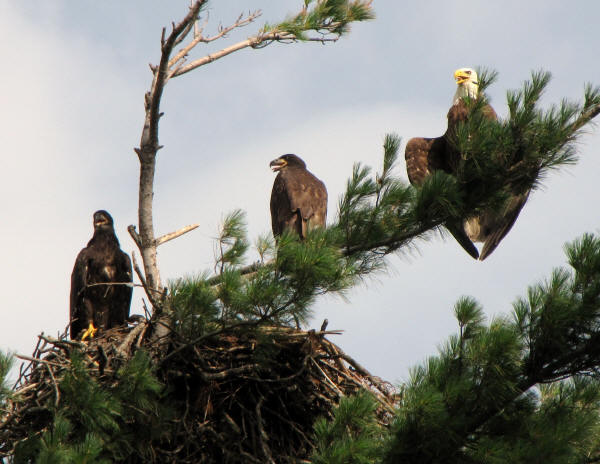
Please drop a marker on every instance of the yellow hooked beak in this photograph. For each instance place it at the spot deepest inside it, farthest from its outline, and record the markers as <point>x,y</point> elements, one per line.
<point>461,76</point>
<point>278,164</point>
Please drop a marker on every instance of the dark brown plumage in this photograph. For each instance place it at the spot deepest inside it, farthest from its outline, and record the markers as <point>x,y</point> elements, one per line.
<point>101,262</point>
<point>492,226</point>
<point>425,155</point>
<point>298,198</point>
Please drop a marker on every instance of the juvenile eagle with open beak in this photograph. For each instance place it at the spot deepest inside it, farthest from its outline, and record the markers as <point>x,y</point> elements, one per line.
<point>298,198</point>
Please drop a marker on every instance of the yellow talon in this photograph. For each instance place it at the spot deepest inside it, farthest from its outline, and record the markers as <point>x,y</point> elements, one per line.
<point>90,332</point>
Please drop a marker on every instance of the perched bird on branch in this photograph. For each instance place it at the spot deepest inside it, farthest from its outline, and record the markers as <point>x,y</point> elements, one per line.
<point>425,155</point>
<point>101,282</point>
<point>298,198</point>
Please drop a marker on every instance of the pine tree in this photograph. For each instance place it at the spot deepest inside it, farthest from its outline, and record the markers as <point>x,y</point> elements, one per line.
<point>220,373</point>
<point>523,388</point>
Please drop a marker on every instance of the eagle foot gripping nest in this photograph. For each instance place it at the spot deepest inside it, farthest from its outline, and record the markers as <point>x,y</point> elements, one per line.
<point>239,397</point>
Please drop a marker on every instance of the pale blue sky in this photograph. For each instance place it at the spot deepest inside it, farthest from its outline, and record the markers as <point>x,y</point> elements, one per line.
<point>73,80</point>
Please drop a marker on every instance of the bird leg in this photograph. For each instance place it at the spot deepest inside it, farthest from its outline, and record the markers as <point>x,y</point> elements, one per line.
<point>90,332</point>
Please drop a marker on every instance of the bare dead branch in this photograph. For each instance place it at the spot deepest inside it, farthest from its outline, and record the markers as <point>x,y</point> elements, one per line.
<point>215,56</point>
<point>170,236</point>
<point>199,38</point>
<point>137,270</point>
<point>254,42</point>
<point>181,37</point>
<point>109,284</point>
<point>149,292</point>
<point>134,235</point>
<point>148,149</point>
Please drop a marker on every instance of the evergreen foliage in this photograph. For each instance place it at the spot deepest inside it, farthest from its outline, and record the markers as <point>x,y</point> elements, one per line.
<point>521,389</point>
<point>324,17</point>
<point>512,156</point>
<point>104,422</point>
<point>518,389</point>
<point>480,394</point>
<point>232,242</point>
<point>6,363</point>
<point>380,214</point>
<point>353,436</point>
<point>498,159</point>
<point>279,292</point>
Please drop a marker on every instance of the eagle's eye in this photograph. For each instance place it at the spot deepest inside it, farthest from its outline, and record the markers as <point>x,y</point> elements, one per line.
<point>469,73</point>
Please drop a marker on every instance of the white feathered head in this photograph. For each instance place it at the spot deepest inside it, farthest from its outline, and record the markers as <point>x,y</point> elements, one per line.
<point>467,82</point>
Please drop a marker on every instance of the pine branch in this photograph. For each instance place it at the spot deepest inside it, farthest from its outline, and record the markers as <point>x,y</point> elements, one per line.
<point>482,379</point>
<point>379,216</point>
<point>327,17</point>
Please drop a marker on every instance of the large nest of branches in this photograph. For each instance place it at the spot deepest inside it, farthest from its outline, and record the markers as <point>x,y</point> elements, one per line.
<point>241,396</point>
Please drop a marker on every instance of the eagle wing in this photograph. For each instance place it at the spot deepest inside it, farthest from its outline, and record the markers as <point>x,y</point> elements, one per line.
<point>280,206</point>
<point>423,156</point>
<point>77,311</point>
<point>122,293</point>
<point>308,199</point>
<point>503,224</point>
<point>298,199</point>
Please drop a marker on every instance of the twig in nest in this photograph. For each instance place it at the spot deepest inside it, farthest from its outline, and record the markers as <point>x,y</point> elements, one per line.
<point>37,360</point>
<point>329,381</point>
<point>56,392</point>
<point>262,436</point>
<point>361,370</point>
<point>125,346</point>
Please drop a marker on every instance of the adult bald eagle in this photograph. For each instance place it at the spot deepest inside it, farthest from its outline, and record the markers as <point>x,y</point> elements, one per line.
<point>298,198</point>
<point>100,296</point>
<point>425,155</point>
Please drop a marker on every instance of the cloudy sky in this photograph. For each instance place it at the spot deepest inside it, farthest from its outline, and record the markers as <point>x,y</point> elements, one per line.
<point>72,87</point>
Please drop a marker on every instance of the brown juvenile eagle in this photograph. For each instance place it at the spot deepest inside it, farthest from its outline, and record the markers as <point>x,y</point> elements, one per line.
<point>424,155</point>
<point>100,282</point>
<point>298,198</point>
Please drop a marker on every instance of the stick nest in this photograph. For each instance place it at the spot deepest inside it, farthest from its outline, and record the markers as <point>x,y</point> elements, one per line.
<point>242,396</point>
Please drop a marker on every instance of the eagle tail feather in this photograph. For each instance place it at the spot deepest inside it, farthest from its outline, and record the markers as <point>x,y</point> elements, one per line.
<point>458,232</point>
<point>509,219</point>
